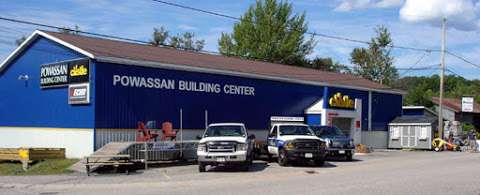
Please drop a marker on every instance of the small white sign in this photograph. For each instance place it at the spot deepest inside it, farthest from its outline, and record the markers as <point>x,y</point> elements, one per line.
<point>467,104</point>
<point>79,93</point>
<point>287,118</point>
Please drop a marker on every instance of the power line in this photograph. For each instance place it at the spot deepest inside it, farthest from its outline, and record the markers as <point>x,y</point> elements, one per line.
<point>310,33</point>
<point>463,59</point>
<point>416,63</point>
<point>421,68</point>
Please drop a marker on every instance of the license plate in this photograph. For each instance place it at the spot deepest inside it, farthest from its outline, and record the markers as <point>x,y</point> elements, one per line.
<point>308,155</point>
<point>220,159</point>
<point>341,151</point>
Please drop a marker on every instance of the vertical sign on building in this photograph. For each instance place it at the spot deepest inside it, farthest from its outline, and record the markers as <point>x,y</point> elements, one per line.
<point>467,104</point>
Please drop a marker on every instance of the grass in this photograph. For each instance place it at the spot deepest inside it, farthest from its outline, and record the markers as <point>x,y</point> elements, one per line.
<point>45,167</point>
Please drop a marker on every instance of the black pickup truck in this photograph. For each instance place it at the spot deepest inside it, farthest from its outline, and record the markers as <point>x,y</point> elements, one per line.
<point>338,144</point>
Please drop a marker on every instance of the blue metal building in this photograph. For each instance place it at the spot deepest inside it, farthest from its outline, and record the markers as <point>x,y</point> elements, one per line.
<point>77,92</point>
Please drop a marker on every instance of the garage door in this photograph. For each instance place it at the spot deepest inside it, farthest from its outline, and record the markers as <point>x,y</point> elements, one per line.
<point>345,124</point>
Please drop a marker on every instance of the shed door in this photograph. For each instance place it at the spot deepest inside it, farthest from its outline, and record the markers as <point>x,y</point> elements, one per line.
<point>408,136</point>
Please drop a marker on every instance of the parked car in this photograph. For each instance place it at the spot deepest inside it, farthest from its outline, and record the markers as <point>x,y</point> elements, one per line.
<point>225,144</point>
<point>295,142</point>
<point>338,144</point>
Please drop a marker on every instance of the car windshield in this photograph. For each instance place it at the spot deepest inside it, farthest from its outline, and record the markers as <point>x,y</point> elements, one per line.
<point>295,130</point>
<point>225,130</point>
<point>327,131</point>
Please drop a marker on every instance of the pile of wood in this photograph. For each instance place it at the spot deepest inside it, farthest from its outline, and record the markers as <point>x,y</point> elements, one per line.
<point>29,155</point>
<point>361,148</point>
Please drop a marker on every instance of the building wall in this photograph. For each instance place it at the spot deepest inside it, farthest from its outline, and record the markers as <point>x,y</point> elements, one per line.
<point>77,142</point>
<point>122,107</point>
<point>25,104</point>
<point>414,112</point>
<point>35,117</point>
<point>385,107</point>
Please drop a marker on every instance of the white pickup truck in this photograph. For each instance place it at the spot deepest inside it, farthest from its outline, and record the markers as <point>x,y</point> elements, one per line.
<point>225,144</point>
<point>295,142</point>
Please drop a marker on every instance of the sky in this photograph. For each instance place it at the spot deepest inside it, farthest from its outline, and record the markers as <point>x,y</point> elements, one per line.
<point>412,23</point>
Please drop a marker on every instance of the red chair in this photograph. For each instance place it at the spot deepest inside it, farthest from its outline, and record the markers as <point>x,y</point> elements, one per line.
<point>144,134</point>
<point>168,132</point>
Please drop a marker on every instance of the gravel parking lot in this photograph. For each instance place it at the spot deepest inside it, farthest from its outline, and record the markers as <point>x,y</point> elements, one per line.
<point>389,172</point>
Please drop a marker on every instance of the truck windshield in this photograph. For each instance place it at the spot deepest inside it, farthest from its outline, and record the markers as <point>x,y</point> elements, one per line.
<point>227,130</point>
<point>295,130</point>
<point>327,131</point>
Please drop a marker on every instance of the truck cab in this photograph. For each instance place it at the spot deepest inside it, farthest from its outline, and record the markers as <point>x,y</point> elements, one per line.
<point>295,142</point>
<point>338,144</point>
<point>225,144</point>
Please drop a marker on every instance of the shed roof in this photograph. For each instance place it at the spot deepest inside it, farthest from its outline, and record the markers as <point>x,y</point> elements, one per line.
<point>414,119</point>
<point>140,54</point>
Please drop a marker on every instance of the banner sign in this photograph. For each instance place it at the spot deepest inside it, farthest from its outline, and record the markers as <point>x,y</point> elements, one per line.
<point>79,93</point>
<point>182,85</point>
<point>467,104</point>
<point>63,73</point>
<point>341,101</point>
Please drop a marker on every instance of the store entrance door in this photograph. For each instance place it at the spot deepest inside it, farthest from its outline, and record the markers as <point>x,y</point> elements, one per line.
<point>344,124</point>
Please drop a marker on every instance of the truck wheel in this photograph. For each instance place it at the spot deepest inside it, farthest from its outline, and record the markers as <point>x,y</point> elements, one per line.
<point>245,167</point>
<point>201,167</point>
<point>269,158</point>
<point>320,162</point>
<point>349,157</point>
<point>282,158</point>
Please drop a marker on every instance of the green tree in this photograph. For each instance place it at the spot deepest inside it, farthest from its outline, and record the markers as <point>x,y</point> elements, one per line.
<point>269,31</point>
<point>326,64</point>
<point>375,62</point>
<point>67,30</point>
<point>20,40</point>
<point>185,41</point>
<point>159,36</point>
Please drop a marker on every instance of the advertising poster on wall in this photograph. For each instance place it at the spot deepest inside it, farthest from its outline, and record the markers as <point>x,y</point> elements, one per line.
<point>63,73</point>
<point>79,93</point>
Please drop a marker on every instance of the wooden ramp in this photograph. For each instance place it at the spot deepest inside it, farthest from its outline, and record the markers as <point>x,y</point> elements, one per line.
<point>111,148</point>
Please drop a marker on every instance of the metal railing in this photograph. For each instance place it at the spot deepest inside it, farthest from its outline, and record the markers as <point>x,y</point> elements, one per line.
<point>162,151</point>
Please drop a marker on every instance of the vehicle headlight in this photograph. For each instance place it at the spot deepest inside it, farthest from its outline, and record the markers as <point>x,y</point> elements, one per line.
<point>290,146</point>
<point>202,147</point>
<point>323,144</point>
<point>242,147</point>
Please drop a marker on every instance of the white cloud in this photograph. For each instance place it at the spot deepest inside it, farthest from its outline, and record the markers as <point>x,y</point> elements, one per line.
<point>460,14</point>
<point>187,27</point>
<point>348,5</point>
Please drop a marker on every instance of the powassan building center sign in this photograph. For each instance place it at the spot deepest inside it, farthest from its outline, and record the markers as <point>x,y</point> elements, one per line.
<point>63,73</point>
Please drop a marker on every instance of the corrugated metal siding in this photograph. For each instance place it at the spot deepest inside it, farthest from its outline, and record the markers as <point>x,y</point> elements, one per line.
<point>123,107</point>
<point>385,107</point>
<point>23,103</point>
<point>413,112</point>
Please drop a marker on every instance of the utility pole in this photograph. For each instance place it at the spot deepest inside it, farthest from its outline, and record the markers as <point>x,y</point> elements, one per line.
<point>442,74</point>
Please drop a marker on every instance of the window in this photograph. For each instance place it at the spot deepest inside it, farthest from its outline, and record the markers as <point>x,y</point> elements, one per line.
<point>423,133</point>
<point>395,132</point>
<point>223,131</point>
<point>274,132</point>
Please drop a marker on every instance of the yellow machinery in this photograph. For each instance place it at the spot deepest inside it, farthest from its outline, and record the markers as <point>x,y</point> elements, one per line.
<point>440,144</point>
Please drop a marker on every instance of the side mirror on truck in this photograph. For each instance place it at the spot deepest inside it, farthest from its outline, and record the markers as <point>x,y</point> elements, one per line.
<point>199,137</point>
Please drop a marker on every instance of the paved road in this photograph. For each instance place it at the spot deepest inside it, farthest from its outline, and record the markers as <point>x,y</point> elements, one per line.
<point>377,173</point>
